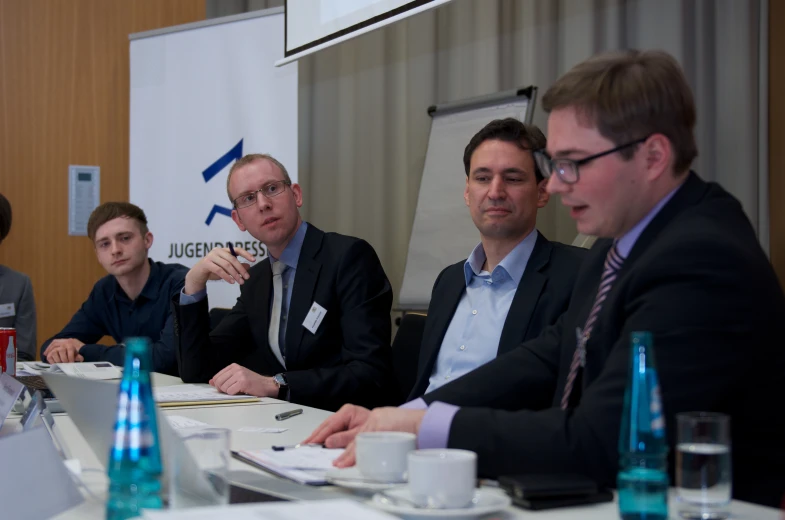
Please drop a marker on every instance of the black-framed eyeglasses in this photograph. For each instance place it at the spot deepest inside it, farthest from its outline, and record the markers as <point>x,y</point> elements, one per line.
<point>567,169</point>
<point>270,190</point>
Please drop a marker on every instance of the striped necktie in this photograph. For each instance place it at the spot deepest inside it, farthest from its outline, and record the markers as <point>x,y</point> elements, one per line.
<point>613,263</point>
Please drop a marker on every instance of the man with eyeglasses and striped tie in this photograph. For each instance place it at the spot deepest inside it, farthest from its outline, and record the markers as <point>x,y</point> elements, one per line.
<point>312,323</point>
<point>677,257</point>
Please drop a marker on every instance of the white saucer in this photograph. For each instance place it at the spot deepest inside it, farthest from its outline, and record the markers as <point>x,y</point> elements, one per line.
<point>351,478</point>
<point>485,501</point>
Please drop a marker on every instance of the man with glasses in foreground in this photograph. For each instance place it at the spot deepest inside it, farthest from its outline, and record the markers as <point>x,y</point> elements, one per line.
<point>312,323</point>
<point>677,257</point>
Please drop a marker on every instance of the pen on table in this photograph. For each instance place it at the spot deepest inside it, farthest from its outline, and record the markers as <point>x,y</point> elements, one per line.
<point>286,415</point>
<point>293,446</point>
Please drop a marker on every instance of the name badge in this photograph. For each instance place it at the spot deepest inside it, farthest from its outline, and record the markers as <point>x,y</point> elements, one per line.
<point>314,317</point>
<point>7,310</point>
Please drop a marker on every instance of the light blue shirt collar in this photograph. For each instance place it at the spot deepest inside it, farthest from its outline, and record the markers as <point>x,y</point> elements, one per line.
<point>625,243</point>
<point>291,253</point>
<point>514,264</point>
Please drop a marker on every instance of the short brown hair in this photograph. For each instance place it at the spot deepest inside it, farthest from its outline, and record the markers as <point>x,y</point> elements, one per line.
<point>248,159</point>
<point>5,217</point>
<point>629,95</point>
<point>112,210</point>
<point>510,130</point>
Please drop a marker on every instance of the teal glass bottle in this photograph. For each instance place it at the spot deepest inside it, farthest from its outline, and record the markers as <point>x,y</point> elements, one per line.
<point>643,448</point>
<point>134,468</point>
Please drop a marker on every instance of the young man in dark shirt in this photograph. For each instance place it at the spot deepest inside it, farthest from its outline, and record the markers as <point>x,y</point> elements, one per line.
<point>133,300</point>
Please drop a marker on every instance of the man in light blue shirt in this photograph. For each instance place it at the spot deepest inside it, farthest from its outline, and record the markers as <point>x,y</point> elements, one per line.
<point>677,258</point>
<point>515,282</point>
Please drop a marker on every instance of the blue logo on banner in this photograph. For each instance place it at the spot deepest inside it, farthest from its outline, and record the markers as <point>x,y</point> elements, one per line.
<point>214,169</point>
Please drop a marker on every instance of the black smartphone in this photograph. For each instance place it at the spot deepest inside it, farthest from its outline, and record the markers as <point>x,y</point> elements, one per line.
<point>536,504</point>
<point>552,490</point>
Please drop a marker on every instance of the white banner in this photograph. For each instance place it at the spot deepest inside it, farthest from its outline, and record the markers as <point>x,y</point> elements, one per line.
<point>200,99</point>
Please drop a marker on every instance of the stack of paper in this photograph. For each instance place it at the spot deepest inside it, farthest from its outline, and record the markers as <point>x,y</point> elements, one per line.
<point>86,370</point>
<point>186,395</point>
<point>179,423</point>
<point>306,465</point>
<point>321,509</point>
<point>31,368</point>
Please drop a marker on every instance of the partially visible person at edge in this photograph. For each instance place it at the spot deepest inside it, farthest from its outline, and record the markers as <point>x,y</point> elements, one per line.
<point>17,304</point>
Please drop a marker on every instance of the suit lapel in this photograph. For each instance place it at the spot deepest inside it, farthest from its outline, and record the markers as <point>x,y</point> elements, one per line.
<point>526,296</point>
<point>692,191</point>
<point>305,279</point>
<point>688,195</point>
<point>452,287</point>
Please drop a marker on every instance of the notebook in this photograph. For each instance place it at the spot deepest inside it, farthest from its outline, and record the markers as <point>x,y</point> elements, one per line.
<point>189,395</point>
<point>305,465</point>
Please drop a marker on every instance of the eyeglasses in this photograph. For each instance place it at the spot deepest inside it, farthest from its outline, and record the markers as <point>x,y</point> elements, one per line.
<point>268,190</point>
<point>567,169</point>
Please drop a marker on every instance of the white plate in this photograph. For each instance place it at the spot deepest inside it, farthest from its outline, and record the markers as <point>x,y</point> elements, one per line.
<point>485,501</point>
<point>351,478</point>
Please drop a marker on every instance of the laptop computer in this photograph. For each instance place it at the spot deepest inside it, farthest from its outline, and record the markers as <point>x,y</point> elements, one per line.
<point>92,406</point>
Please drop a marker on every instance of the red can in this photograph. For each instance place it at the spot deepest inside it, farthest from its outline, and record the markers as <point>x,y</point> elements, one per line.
<point>8,350</point>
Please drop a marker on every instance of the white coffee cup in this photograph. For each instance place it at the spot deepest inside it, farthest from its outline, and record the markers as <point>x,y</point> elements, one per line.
<point>382,455</point>
<point>443,479</point>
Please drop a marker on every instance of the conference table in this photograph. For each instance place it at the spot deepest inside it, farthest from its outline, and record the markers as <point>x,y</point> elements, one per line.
<point>262,414</point>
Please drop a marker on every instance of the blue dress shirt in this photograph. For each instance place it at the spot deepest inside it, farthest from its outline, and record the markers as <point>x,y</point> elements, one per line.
<point>472,338</point>
<point>289,256</point>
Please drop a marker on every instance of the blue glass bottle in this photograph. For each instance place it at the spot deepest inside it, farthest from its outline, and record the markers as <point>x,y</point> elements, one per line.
<point>643,448</point>
<point>134,467</point>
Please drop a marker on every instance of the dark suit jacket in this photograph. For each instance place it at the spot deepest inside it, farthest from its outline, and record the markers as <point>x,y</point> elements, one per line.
<point>699,281</point>
<point>347,360</point>
<point>542,296</point>
<point>15,288</point>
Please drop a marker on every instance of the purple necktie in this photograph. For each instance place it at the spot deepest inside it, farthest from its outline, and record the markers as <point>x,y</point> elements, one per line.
<point>613,263</point>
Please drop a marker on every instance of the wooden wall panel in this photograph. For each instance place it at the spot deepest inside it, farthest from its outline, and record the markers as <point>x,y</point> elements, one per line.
<point>777,136</point>
<point>64,96</point>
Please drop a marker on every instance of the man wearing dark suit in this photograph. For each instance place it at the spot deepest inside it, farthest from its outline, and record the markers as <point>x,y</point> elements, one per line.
<point>515,282</point>
<point>17,305</point>
<point>680,260</point>
<point>312,323</point>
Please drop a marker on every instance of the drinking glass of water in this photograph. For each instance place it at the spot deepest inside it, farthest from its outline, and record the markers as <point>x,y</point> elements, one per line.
<point>198,467</point>
<point>703,465</point>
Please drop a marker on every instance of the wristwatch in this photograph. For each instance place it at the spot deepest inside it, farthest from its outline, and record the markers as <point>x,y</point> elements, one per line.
<point>280,381</point>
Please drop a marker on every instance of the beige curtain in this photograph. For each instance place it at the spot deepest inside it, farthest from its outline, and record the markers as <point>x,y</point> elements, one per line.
<point>362,104</point>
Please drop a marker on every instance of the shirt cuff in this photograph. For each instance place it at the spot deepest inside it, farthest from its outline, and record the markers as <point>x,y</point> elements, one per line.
<point>92,351</point>
<point>435,426</point>
<point>188,299</point>
<point>417,404</point>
